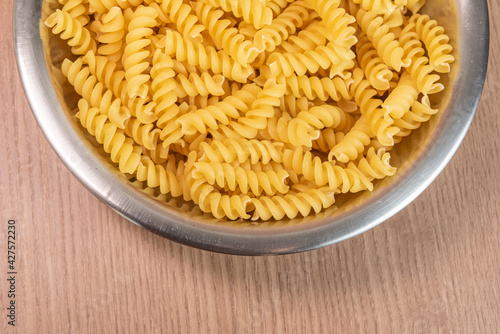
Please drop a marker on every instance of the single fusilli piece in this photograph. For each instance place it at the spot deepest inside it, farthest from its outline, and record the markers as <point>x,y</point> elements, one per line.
<point>225,36</point>
<point>420,69</point>
<point>324,116</point>
<point>242,150</point>
<point>436,42</point>
<point>204,85</point>
<point>262,109</point>
<point>379,7</point>
<point>94,92</point>
<point>77,10</point>
<point>293,204</point>
<point>112,32</point>
<point>102,6</point>
<point>291,19</point>
<point>167,177</point>
<point>254,12</point>
<point>181,14</point>
<point>135,53</point>
<point>317,87</point>
<point>219,113</point>
<point>121,148</point>
<point>72,30</point>
<point>163,87</point>
<point>323,57</point>
<point>353,143</point>
<point>325,172</point>
<point>384,41</point>
<point>289,131</point>
<point>337,21</point>
<point>225,175</point>
<point>376,71</point>
<point>308,38</point>
<point>206,58</point>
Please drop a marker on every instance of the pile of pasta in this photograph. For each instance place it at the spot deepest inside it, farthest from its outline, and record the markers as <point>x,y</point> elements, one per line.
<point>252,109</point>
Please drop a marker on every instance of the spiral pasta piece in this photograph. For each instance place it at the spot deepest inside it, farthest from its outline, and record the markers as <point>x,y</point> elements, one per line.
<point>248,181</point>
<point>225,36</point>
<point>292,204</point>
<point>289,131</point>
<point>325,173</point>
<point>314,87</point>
<point>401,98</point>
<point>420,113</point>
<point>94,92</point>
<point>209,199</point>
<point>324,116</point>
<point>167,177</point>
<point>204,85</point>
<point>415,5</point>
<point>419,68</point>
<point>205,57</point>
<point>378,7</point>
<point>436,42</point>
<point>254,12</point>
<point>135,53</point>
<point>241,150</point>
<point>102,6</point>
<point>106,71</point>
<point>291,19</point>
<point>384,41</point>
<point>308,38</point>
<point>363,94</point>
<point>143,134</point>
<point>323,57</point>
<point>262,109</point>
<point>277,6</point>
<point>163,87</point>
<point>353,143</point>
<point>120,148</point>
<point>114,80</point>
<point>376,165</point>
<point>377,72</point>
<point>180,13</point>
<point>112,29</point>
<point>71,29</point>
<point>220,206</point>
<point>77,10</point>
<point>221,112</point>
<point>327,139</point>
<point>337,20</point>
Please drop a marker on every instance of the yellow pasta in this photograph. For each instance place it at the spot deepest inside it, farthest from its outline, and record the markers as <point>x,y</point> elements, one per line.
<point>225,36</point>
<point>254,12</point>
<point>242,150</point>
<point>383,40</point>
<point>71,29</point>
<point>291,19</point>
<point>252,109</point>
<point>112,30</point>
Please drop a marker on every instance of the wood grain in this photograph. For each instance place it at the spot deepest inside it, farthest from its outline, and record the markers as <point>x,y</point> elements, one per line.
<point>432,268</point>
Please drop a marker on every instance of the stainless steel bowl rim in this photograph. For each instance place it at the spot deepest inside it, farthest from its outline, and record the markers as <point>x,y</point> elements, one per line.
<point>138,208</point>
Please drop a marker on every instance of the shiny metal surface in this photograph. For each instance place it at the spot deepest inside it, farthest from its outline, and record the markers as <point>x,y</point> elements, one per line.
<point>429,149</point>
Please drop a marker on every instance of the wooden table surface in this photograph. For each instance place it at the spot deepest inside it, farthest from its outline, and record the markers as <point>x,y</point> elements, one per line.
<point>434,267</point>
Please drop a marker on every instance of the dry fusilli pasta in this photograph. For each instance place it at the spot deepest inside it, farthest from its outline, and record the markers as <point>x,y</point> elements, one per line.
<point>252,109</point>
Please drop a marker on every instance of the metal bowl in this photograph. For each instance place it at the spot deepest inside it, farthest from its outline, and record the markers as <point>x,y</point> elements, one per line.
<point>420,159</point>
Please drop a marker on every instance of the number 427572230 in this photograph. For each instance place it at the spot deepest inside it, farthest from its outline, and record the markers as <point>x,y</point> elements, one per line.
<point>11,244</point>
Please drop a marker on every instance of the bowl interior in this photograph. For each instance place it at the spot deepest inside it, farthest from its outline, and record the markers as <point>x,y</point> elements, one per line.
<point>419,158</point>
